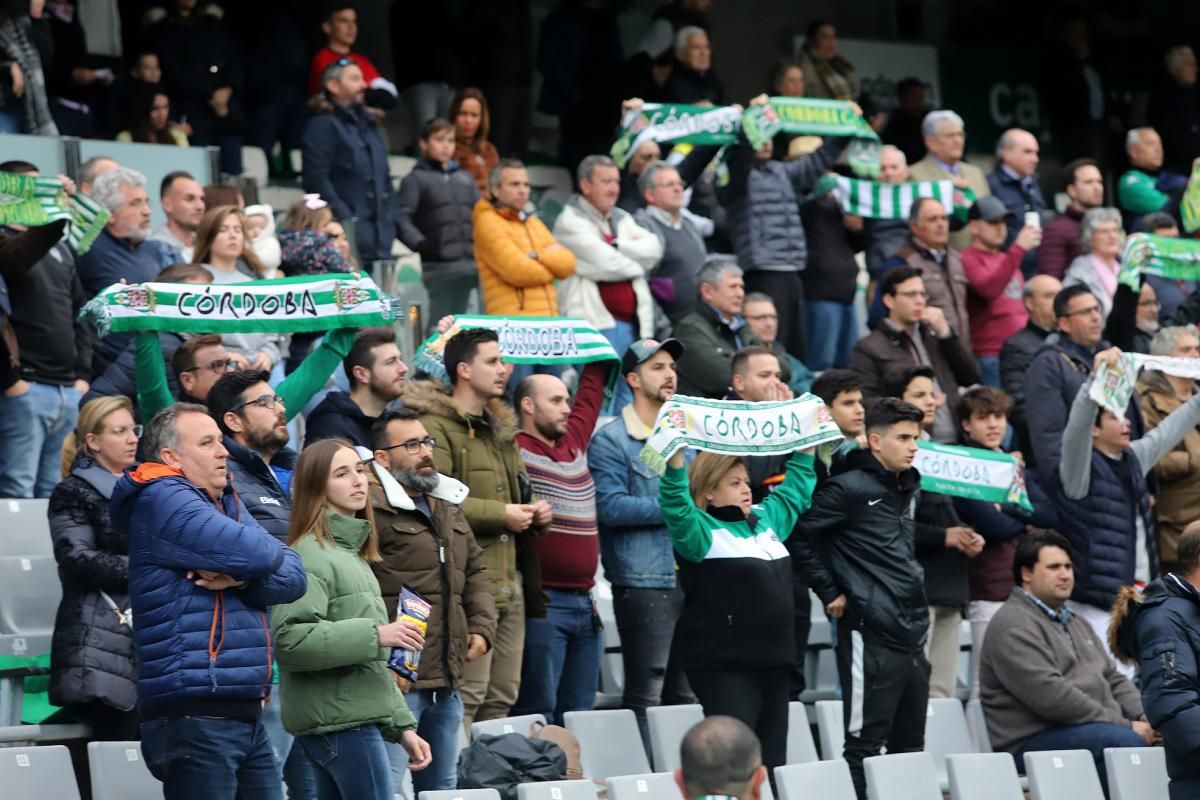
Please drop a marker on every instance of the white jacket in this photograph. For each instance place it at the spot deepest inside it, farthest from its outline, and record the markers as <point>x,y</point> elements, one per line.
<point>635,252</point>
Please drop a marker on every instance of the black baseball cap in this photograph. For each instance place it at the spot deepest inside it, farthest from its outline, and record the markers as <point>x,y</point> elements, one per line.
<point>643,349</point>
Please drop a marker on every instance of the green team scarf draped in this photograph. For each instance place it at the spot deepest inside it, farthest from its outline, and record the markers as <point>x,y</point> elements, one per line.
<point>1165,256</point>
<point>707,125</point>
<point>1189,204</point>
<point>33,201</point>
<point>284,305</point>
<point>738,427</point>
<point>971,472</point>
<point>1112,388</point>
<point>875,200</point>
<point>523,340</point>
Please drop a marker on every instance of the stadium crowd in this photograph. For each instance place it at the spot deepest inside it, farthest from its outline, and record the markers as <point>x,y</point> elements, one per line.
<point>231,598</point>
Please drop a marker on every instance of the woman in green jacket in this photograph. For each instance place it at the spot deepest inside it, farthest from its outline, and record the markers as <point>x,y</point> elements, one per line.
<point>738,615</point>
<point>332,645</point>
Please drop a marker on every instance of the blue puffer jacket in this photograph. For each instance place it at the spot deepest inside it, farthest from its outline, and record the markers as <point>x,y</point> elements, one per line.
<point>199,652</point>
<point>258,486</point>
<point>1161,634</point>
<point>763,206</point>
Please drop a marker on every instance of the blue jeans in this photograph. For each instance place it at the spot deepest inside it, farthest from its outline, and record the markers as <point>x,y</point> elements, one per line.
<point>211,758</point>
<point>439,714</point>
<point>832,331</point>
<point>32,429</point>
<point>12,120</point>
<point>350,764</point>
<point>293,765</point>
<point>989,370</point>
<point>620,337</point>
<point>1091,736</point>
<point>561,666</point>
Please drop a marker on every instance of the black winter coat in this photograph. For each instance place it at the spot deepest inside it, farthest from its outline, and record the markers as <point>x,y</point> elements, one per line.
<point>433,212</point>
<point>91,655</point>
<point>861,525</point>
<point>1015,357</point>
<point>338,416</point>
<point>945,567</point>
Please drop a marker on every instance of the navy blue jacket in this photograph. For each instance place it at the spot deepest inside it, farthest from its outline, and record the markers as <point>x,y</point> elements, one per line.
<point>1008,190</point>
<point>259,488</point>
<point>337,416</point>
<point>1163,634</point>
<point>345,161</point>
<point>199,652</point>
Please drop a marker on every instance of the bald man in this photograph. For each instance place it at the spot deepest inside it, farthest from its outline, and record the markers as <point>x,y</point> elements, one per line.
<point>561,665</point>
<point>721,757</point>
<point>1018,351</point>
<point>1014,182</point>
<point>1146,187</point>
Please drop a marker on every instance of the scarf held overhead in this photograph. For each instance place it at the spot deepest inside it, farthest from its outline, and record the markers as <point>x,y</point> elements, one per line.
<point>738,427</point>
<point>1113,388</point>
<point>972,473</point>
<point>26,200</point>
<point>284,305</point>
<point>875,200</point>
<point>1163,256</point>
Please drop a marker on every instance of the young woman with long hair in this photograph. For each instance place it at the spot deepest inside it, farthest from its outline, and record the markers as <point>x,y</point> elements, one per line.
<point>148,118</point>
<point>339,698</point>
<point>472,150</point>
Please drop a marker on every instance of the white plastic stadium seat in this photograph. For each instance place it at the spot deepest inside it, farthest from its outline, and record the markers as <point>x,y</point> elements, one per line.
<point>902,776</point>
<point>653,786</point>
<point>499,727</point>
<point>827,780</point>
<point>1056,774</point>
<point>37,773</point>
<point>984,776</point>
<point>609,743</point>
<point>1136,773</point>
<point>557,790</point>
<point>831,729</point>
<point>118,772</point>
<point>800,746</point>
<point>668,725</point>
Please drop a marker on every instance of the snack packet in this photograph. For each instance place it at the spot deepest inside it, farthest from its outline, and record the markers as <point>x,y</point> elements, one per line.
<point>415,609</point>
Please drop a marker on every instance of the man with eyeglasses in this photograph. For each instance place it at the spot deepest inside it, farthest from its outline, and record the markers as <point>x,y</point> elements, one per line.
<point>428,547</point>
<point>1060,368</point>
<point>198,363</point>
<point>673,281</point>
<point>762,317</point>
<point>914,334</point>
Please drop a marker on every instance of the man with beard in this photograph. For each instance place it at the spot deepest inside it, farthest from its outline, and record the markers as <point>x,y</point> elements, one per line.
<point>376,372</point>
<point>427,546</point>
<point>635,548</point>
<point>562,650</point>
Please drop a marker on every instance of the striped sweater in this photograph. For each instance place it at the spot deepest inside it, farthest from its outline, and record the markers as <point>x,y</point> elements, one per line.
<point>559,474</point>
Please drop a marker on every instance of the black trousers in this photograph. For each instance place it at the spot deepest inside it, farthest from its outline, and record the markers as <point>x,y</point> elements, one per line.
<point>803,604</point>
<point>758,698</point>
<point>787,290</point>
<point>885,693</point>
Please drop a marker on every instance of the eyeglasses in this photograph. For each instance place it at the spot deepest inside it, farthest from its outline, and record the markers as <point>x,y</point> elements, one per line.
<point>122,431</point>
<point>267,401</point>
<point>1089,311</point>
<point>220,366</point>
<point>413,446</point>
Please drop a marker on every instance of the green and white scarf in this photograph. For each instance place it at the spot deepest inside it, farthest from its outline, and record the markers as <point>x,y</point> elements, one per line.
<point>1189,204</point>
<point>971,472</point>
<point>706,125</point>
<point>738,427</point>
<point>33,201</point>
<point>284,305</point>
<point>875,200</point>
<point>1112,388</point>
<point>1165,256</point>
<point>523,340</point>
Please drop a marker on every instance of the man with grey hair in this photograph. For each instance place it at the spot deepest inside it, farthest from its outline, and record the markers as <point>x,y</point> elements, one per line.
<point>613,257</point>
<point>93,168</point>
<point>720,757</point>
<point>673,281</point>
<point>713,332</point>
<point>202,576</point>
<point>692,79</point>
<point>1015,182</point>
<point>1175,109</point>
<point>1146,186</point>
<point>945,143</point>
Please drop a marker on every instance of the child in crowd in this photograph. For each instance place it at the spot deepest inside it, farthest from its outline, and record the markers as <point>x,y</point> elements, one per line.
<point>433,213</point>
<point>260,234</point>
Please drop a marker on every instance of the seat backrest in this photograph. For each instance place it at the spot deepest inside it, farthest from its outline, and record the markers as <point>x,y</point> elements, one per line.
<point>653,786</point>
<point>831,728</point>
<point>946,732</point>
<point>668,725</point>
<point>557,790</point>
<point>828,780</point>
<point>499,727</point>
<point>977,724</point>
<point>25,528</point>
<point>29,595</point>
<point>460,794</point>
<point>609,743</point>
<point>37,773</point>
<point>1055,774</point>
<point>983,776</point>
<point>119,773</point>
<point>1136,773</point>
<point>902,776</point>
<point>800,746</point>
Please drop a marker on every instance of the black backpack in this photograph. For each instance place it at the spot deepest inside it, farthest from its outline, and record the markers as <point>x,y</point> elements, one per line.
<point>504,762</point>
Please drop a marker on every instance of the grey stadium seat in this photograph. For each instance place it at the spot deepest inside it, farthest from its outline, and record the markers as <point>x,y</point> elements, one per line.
<point>37,773</point>
<point>609,743</point>
<point>119,773</point>
<point>1136,773</point>
<point>24,528</point>
<point>668,725</point>
<point>902,776</point>
<point>827,780</point>
<point>946,733</point>
<point>653,786</point>
<point>1055,774</point>
<point>460,794</point>
<point>984,776</point>
<point>831,728</point>
<point>800,746</point>
<point>499,727</point>
<point>557,790</point>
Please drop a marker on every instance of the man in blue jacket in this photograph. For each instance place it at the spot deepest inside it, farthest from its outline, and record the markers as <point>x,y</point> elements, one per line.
<point>1015,182</point>
<point>345,161</point>
<point>202,575</point>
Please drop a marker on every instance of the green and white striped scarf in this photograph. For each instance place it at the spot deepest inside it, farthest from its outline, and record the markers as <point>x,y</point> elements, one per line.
<point>971,472</point>
<point>26,200</point>
<point>523,340</point>
<point>1112,388</point>
<point>284,305</point>
<point>739,427</point>
<point>1165,256</point>
<point>875,200</point>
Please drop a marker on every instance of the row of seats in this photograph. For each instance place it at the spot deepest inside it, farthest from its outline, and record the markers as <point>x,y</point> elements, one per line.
<point>1134,773</point>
